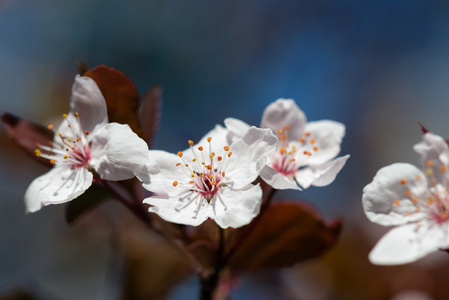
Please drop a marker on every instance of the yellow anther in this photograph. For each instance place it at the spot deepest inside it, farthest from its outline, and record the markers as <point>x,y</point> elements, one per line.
<point>64,116</point>
<point>86,132</point>
<point>212,155</point>
<point>187,165</point>
<point>403,181</point>
<point>178,164</point>
<point>200,148</point>
<point>219,158</point>
<point>286,127</point>
<point>408,193</point>
<point>213,183</point>
<point>209,139</point>
<point>194,159</point>
<point>203,163</point>
<point>37,152</point>
<point>59,134</point>
<point>282,150</point>
<point>66,156</point>
<point>77,114</point>
<point>290,153</point>
<point>292,160</point>
<point>69,125</point>
<point>179,153</point>
<point>175,183</point>
<point>429,163</point>
<point>69,139</point>
<point>229,154</point>
<point>315,148</point>
<point>192,175</point>
<point>52,161</point>
<point>302,140</point>
<point>211,177</point>
<point>190,143</point>
<point>226,148</point>
<point>50,126</point>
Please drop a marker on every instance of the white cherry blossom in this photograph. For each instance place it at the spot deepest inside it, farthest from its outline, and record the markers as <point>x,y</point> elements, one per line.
<point>306,151</point>
<point>85,143</point>
<point>212,179</point>
<point>414,200</point>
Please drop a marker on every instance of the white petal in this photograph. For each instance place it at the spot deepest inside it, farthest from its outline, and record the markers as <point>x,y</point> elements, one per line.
<point>181,209</point>
<point>408,243</point>
<point>241,206</point>
<point>165,173</point>
<point>277,180</point>
<point>88,101</point>
<point>327,136</point>
<point>380,195</point>
<point>320,175</point>
<point>284,112</point>
<point>249,156</point>
<point>219,139</point>
<point>236,127</point>
<point>434,148</point>
<point>117,152</point>
<point>59,185</point>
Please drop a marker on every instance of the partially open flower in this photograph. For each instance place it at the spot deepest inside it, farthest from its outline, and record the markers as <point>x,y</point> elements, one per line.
<point>305,153</point>
<point>417,201</point>
<point>85,143</point>
<point>211,179</point>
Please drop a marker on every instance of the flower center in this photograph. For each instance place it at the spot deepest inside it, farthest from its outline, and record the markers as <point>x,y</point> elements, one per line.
<point>291,155</point>
<point>71,149</point>
<point>206,174</point>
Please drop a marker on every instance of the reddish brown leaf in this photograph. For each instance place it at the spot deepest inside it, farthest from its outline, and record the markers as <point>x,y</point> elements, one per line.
<point>27,135</point>
<point>122,98</point>
<point>287,233</point>
<point>150,112</point>
<point>422,128</point>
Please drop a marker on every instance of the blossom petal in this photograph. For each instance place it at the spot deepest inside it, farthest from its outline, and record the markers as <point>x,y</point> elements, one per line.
<point>408,243</point>
<point>277,180</point>
<point>249,156</point>
<point>434,153</point>
<point>284,112</point>
<point>219,140</point>
<point>88,101</point>
<point>326,136</point>
<point>393,195</point>
<point>236,127</point>
<point>181,209</point>
<point>240,206</point>
<point>59,185</point>
<point>320,175</point>
<point>165,173</point>
<point>117,152</point>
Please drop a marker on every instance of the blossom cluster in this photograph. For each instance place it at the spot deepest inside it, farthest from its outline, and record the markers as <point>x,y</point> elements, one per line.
<point>212,179</point>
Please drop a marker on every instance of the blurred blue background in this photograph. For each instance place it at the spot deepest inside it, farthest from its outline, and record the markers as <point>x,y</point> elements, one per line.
<point>379,67</point>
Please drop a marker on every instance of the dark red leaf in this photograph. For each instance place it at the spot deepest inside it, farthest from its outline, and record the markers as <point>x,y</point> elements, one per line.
<point>150,112</point>
<point>28,135</point>
<point>287,233</point>
<point>423,129</point>
<point>122,98</point>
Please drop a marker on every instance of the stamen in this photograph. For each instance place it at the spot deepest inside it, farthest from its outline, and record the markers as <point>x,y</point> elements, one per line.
<point>396,202</point>
<point>50,126</point>
<point>302,140</point>
<point>408,193</point>
<point>175,183</point>
<point>64,116</point>
<point>179,153</point>
<point>286,127</point>
<point>209,139</point>
<point>226,148</point>
<point>307,134</point>
<point>52,161</point>
<point>190,143</point>
<point>403,181</point>
<point>429,163</point>
<point>178,164</point>
<point>37,152</point>
<point>86,132</point>
<point>76,114</point>
<point>200,148</point>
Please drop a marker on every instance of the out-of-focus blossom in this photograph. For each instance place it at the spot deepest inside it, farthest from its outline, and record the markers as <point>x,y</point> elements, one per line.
<point>306,151</point>
<point>84,144</point>
<point>414,200</point>
<point>211,179</point>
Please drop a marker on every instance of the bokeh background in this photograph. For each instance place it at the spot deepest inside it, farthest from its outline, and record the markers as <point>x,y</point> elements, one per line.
<point>379,67</point>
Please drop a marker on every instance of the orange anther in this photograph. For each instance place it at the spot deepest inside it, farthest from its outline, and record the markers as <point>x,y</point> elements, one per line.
<point>213,183</point>
<point>292,160</point>
<point>179,153</point>
<point>190,143</point>
<point>223,173</point>
<point>64,115</point>
<point>302,140</point>
<point>78,139</point>
<point>175,183</point>
<point>200,148</point>
<point>50,126</point>
<point>52,161</point>
<point>312,141</point>
<point>307,134</point>
<point>315,148</point>
<point>279,130</point>
<point>429,163</point>
<point>178,164</point>
<point>212,154</point>
<point>282,150</point>
<point>418,177</point>
<point>209,167</point>
<point>282,137</point>
<point>443,169</point>
<point>86,132</point>
<point>429,200</point>
<point>187,165</point>
<point>191,181</point>
<point>209,139</point>
<point>219,158</point>
<point>415,200</point>
<point>403,181</point>
<point>229,154</point>
<point>408,193</point>
<point>77,114</point>
<point>396,202</point>
<point>286,127</point>
<point>226,148</point>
